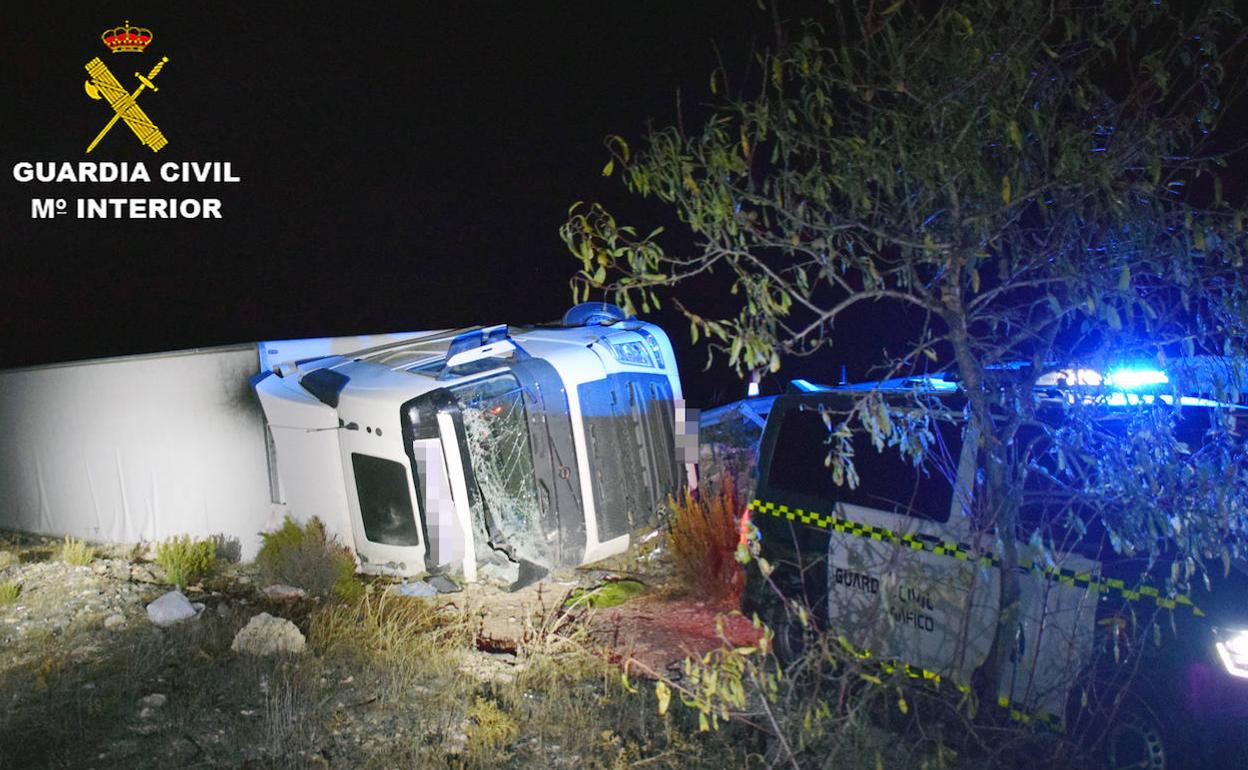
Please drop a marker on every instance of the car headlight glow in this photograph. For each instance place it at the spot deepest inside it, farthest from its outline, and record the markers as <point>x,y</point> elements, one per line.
<point>1232,647</point>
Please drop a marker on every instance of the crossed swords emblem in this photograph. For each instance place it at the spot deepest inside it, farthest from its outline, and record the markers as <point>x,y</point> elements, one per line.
<point>103,85</point>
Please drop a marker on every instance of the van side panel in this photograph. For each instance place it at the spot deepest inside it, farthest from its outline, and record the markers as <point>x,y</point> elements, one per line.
<point>896,586</point>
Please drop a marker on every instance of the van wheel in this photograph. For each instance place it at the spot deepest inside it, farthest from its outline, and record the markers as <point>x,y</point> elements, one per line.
<point>1136,739</point>
<point>792,640</point>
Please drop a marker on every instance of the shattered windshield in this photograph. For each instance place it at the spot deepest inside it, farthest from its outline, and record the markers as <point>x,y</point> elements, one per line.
<point>497,434</point>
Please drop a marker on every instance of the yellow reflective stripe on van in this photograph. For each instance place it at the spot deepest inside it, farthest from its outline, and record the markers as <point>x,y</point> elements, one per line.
<point>964,552</point>
<point>1017,711</point>
<point>1023,716</point>
<point>917,542</point>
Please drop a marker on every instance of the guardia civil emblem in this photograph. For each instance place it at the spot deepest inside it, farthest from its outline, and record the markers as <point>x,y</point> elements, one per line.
<point>103,86</point>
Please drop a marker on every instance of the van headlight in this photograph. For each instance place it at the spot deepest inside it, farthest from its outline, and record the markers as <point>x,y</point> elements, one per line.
<point>1232,647</point>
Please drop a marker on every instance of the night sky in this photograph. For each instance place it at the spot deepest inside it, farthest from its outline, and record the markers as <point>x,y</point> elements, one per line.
<point>403,165</point>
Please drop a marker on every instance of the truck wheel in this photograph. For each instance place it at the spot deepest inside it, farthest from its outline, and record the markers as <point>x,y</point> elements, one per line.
<point>593,314</point>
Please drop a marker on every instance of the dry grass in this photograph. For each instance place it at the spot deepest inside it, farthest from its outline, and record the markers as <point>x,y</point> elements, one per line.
<point>75,552</point>
<point>491,732</point>
<point>387,681</point>
<point>704,541</point>
<point>386,627</point>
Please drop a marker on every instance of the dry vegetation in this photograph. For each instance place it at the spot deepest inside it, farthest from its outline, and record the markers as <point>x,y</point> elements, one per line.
<point>185,559</point>
<point>388,681</point>
<point>75,552</point>
<point>704,540</point>
<point>393,681</point>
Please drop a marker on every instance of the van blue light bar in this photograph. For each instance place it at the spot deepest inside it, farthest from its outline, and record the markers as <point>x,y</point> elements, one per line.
<point>1134,379</point>
<point>807,387</point>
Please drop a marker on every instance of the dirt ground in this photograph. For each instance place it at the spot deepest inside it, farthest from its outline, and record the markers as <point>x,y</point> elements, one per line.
<point>656,630</point>
<point>87,681</point>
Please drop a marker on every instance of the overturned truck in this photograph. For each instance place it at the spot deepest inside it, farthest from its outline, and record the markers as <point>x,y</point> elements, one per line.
<point>509,451</point>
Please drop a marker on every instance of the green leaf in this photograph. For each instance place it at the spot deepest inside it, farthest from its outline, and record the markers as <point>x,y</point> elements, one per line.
<point>965,22</point>
<point>1111,317</point>
<point>1124,279</point>
<point>1016,134</point>
<point>607,169</point>
<point>600,275</point>
<point>664,695</point>
<point>1006,192</point>
<point>617,142</point>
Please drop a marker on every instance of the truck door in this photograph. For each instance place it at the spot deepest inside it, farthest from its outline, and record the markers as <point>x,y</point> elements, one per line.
<point>381,496</point>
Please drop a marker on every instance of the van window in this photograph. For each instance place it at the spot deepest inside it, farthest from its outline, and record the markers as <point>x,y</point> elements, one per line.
<point>385,502</point>
<point>887,480</point>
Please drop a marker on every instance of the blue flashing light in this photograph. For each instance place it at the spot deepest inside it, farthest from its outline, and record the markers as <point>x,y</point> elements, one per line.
<point>1134,379</point>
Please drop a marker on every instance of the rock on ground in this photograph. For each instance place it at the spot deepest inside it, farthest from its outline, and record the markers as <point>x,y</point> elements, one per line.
<point>172,608</point>
<point>155,700</point>
<point>267,635</point>
<point>280,592</point>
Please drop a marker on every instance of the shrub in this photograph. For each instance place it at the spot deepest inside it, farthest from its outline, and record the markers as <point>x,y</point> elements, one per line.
<point>75,552</point>
<point>309,558</point>
<point>185,559</point>
<point>704,541</point>
<point>229,549</point>
<point>491,732</point>
<point>9,591</point>
<point>610,594</point>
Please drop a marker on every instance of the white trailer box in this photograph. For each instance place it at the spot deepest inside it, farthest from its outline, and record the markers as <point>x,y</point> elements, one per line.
<point>137,448</point>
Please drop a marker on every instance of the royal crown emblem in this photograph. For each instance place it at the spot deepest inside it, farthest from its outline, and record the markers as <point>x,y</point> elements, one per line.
<point>127,39</point>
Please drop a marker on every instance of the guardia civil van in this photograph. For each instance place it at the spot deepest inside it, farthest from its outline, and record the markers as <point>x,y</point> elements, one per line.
<point>895,565</point>
<point>512,449</point>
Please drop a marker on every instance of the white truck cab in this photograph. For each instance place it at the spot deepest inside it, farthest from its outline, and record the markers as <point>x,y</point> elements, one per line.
<point>518,450</point>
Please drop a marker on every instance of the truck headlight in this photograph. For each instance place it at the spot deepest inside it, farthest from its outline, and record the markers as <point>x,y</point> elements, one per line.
<point>631,353</point>
<point>1232,647</point>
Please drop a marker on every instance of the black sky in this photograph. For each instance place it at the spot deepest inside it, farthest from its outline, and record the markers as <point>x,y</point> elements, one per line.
<point>404,165</point>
